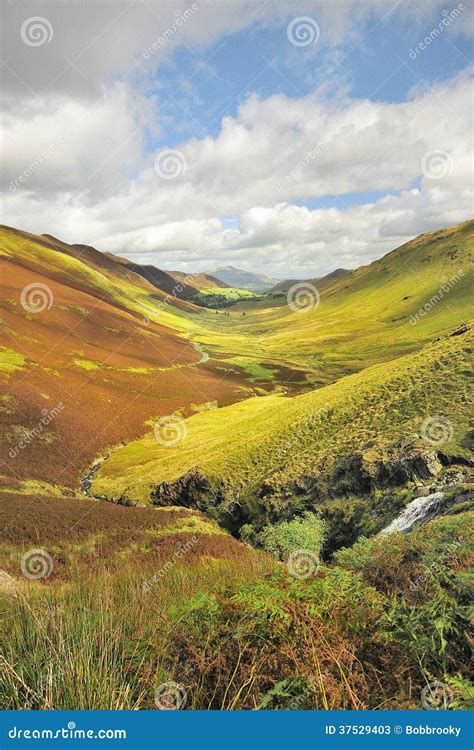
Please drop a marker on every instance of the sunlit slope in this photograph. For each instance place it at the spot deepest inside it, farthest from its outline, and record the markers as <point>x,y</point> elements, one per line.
<point>369,315</point>
<point>102,344</point>
<point>279,440</point>
<point>87,270</point>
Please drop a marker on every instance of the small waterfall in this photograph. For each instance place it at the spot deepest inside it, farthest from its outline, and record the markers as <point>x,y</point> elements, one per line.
<point>421,509</point>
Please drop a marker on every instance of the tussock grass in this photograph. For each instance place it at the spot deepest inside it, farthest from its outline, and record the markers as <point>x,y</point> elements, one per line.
<point>96,640</point>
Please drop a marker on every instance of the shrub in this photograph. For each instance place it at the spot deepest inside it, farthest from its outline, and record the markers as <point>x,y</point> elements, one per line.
<point>306,532</point>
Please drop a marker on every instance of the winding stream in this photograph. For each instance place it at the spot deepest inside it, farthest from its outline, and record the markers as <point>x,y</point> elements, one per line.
<point>86,482</point>
<point>204,355</point>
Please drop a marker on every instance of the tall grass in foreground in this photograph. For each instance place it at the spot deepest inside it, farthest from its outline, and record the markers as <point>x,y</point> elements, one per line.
<point>100,640</point>
<point>372,630</point>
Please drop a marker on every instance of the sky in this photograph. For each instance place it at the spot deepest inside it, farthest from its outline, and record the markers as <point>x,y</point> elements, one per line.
<point>286,137</point>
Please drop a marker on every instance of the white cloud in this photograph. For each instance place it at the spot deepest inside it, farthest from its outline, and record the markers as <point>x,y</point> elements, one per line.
<point>95,182</point>
<point>74,144</point>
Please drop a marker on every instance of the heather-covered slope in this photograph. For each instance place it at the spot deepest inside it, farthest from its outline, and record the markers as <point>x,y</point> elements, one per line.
<point>94,350</point>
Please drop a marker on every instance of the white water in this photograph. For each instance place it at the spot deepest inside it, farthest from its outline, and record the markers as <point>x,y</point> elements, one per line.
<point>418,510</point>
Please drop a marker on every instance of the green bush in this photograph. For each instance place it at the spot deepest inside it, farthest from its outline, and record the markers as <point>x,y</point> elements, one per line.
<point>304,533</point>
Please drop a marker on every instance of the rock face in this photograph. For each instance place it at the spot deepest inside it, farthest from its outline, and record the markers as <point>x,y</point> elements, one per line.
<point>192,490</point>
<point>350,474</point>
<point>354,474</point>
<point>407,467</point>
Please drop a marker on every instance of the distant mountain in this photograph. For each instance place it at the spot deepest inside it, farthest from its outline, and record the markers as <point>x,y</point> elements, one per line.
<point>236,277</point>
<point>284,286</point>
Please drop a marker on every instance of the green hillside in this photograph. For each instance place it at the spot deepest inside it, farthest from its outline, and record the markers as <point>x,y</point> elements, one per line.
<point>277,440</point>
<point>366,316</point>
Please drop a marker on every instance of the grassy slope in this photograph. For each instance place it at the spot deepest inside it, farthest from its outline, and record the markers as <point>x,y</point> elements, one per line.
<point>363,317</point>
<point>108,341</point>
<point>228,624</point>
<point>87,270</point>
<point>247,442</point>
<point>104,349</point>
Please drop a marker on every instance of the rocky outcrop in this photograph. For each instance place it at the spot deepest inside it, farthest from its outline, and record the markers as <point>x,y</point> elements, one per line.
<point>408,466</point>
<point>192,490</point>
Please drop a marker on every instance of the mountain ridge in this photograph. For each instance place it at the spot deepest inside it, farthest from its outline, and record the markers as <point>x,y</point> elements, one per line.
<point>241,279</point>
